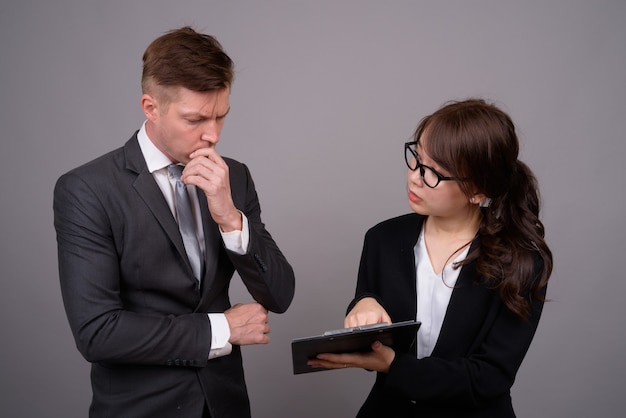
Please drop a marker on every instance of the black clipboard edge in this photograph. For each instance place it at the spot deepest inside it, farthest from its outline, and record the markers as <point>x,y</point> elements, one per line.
<point>400,336</point>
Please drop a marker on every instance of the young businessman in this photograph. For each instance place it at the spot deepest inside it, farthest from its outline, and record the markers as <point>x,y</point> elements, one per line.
<point>144,280</point>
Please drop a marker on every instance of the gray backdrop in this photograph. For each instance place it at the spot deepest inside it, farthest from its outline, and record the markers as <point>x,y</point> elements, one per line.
<point>326,93</point>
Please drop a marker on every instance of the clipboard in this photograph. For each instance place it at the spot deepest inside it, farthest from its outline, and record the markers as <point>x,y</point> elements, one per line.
<point>400,336</point>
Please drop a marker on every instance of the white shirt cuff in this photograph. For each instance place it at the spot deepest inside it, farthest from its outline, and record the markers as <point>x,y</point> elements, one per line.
<point>237,241</point>
<point>220,333</point>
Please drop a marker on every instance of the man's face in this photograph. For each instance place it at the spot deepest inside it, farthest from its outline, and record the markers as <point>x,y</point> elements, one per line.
<point>192,120</point>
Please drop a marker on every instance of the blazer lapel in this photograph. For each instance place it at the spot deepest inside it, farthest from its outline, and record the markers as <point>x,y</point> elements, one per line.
<point>467,303</point>
<point>408,260</point>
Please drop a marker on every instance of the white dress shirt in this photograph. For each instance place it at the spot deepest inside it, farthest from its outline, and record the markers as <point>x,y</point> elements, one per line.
<point>236,241</point>
<point>433,295</point>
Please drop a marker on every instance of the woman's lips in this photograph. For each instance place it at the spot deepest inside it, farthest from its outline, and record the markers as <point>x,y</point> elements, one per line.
<point>414,198</point>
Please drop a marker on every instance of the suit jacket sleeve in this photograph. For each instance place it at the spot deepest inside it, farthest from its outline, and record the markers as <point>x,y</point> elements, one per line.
<point>263,268</point>
<point>109,321</point>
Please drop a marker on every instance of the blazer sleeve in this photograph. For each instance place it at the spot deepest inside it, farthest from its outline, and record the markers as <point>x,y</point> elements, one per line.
<point>487,370</point>
<point>264,270</point>
<point>92,287</point>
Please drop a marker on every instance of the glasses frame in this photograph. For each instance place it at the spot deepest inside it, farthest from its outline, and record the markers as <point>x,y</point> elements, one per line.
<point>422,167</point>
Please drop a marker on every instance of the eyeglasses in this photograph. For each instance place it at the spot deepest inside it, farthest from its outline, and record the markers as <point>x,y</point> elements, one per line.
<point>430,176</point>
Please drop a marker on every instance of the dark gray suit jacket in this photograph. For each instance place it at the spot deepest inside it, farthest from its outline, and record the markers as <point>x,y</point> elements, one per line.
<point>133,304</point>
<point>480,347</point>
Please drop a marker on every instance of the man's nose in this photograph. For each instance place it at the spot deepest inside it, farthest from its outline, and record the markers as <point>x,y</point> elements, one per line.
<point>211,133</point>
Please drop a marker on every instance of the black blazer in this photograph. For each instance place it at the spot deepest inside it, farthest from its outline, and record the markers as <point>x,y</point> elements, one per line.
<point>133,304</point>
<point>479,350</point>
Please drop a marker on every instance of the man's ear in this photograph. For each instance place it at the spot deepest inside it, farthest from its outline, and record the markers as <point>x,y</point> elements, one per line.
<point>150,107</point>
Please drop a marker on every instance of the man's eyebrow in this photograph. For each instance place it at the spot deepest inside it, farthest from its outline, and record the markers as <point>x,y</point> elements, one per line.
<point>225,113</point>
<point>202,115</point>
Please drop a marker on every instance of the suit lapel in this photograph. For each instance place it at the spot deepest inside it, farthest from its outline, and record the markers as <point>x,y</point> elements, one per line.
<point>152,196</point>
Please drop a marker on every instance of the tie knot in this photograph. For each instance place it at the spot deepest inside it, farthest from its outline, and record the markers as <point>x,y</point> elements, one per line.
<point>175,170</point>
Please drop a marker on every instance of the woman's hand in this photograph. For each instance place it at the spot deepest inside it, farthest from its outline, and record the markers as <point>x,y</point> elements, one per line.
<point>379,359</point>
<point>367,311</point>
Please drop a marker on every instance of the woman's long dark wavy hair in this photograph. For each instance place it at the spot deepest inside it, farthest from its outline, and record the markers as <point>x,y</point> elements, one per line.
<point>476,141</point>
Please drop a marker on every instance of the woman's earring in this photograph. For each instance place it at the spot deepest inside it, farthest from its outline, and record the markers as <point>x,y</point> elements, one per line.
<point>473,200</point>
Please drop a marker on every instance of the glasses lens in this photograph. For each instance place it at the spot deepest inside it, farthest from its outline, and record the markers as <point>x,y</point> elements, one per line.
<point>429,176</point>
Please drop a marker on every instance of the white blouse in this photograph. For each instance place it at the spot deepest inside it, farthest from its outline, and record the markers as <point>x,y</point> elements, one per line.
<point>433,295</point>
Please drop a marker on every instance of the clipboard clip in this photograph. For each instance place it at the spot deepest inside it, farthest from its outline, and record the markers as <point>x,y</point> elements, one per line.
<point>355,329</point>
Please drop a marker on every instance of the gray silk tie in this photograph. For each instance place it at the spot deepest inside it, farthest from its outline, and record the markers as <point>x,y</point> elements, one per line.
<point>186,221</point>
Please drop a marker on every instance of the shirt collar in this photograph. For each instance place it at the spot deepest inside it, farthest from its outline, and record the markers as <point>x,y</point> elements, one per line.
<point>155,159</point>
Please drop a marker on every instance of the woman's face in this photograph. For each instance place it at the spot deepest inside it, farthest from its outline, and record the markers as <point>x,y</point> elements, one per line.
<point>445,200</point>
